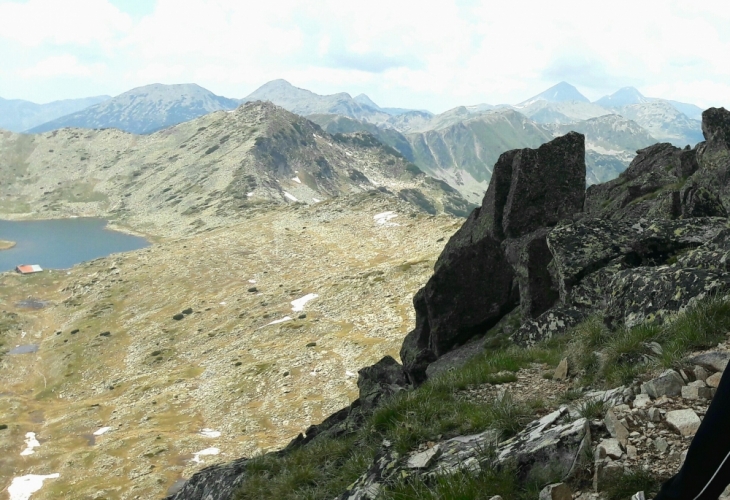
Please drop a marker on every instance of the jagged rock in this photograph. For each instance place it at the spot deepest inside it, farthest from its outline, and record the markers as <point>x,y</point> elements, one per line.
<point>651,294</point>
<point>661,445</point>
<point>217,482</point>
<point>561,372</point>
<point>474,285</point>
<point>631,452</point>
<point>697,201</point>
<point>668,383</point>
<point>616,428</point>
<point>546,443</point>
<point>558,491</point>
<point>423,459</point>
<point>606,473</point>
<point>695,392</point>
<point>686,422</point>
<point>548,184</point>
<point>715,361</point>
<point>379,380</point>
<point>642,400</point>
<point>654,415</point>
<point>553,322</point>
<point>612,448</point>
<point>713,380</point>
<point>700,373</point>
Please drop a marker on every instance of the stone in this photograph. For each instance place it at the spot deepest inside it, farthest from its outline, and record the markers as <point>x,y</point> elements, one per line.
<point>216,482</point>
<point>631,452</point>
<point>551,323</point>
<point>557,491</point>
<point>605,474</point>
<point>616,428</point>
<point>547,185</point>
<point>253,289</point>
<point>715,361</point>
<point>561,372</point>
<point>379,380</point>
<point>696,392</point>
<point>178,316</point>
<point>661,445</point>
<point>189,310</point>
<point>651,294</point>
<point>496,497</point>
<point>474,283</point>
<point>641,400</point>
<point>422,460</point>
<point>714,380</point>
<point>685,422</point>
<point>654,415</point>
<point>612,447</point>
<point>668,383</point>
<point>700,373</point>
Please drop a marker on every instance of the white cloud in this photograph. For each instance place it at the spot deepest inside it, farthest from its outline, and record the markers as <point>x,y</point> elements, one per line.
<point>398,52</point>
<point>64,65</point>
<point>79,22</point>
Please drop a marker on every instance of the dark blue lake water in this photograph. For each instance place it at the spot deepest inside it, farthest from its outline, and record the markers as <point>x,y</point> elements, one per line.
<point>61,243</point>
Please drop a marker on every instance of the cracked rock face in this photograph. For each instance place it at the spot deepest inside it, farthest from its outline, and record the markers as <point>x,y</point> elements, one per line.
<point>480,276</point>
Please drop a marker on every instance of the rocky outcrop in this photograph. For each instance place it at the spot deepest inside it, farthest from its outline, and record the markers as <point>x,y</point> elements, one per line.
<point>497,258</point>
<point>555,442</point>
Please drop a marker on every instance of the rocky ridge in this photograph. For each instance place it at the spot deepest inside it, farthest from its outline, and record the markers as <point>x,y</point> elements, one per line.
<point>556,260</point>
<point>203,174</point>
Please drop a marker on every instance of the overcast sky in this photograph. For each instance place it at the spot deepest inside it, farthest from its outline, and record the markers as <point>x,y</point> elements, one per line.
<point>415,54</point>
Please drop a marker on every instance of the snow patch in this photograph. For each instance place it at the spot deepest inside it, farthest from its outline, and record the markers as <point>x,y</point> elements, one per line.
<point>291,197</point>
<point>210,433</point>
<point>252,281</point>
<point>298,305</point>
<point>276,322</point>
<point>249,194</point>
<point>31,442</point>
<point>349,374</point>
<point>384,219</point>
<point>316,200</point>
<point>296,179</point>
<point>207,451</point>
<point>102,431</point>
<point>23,487</point>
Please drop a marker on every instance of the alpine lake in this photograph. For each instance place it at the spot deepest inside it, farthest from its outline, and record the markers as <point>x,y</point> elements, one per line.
<point>61,243</point>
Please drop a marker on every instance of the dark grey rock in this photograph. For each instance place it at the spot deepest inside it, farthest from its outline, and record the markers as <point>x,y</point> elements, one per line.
<point>668,384</point>
<point>554,322</point>
<point>715,361</point>
<point>218,482</point>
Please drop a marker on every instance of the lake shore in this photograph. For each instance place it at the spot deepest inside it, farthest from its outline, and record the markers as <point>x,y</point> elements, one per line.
<point>6,245</point>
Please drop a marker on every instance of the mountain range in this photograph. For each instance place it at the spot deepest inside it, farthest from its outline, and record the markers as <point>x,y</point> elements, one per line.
<point>457,146</point>
<point>17,115</point>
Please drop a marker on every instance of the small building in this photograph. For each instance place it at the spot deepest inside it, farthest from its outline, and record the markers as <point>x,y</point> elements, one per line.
<point>28,268</point>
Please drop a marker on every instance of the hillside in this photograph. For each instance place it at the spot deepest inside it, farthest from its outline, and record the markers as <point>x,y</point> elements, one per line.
<point>18,115</point>
<point>203,173</point>
<point>665,122</point>
<point>144,109</point>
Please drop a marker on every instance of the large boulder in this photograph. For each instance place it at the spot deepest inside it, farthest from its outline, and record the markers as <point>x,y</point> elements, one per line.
<point>499,257</point>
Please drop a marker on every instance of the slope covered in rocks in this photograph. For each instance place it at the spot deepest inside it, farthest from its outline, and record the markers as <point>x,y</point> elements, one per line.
<point>609,290</point>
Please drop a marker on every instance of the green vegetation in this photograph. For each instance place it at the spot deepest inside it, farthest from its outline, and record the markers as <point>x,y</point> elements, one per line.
<point>439,410</point>
<point>615,358</point>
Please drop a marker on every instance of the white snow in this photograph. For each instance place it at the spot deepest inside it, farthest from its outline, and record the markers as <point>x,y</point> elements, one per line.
<point>285,318</point>
<point>222,303</point>
<point>291,197</point>
<point>31,442</point>
<point>298,305</point>
<point>102,431</point>
<point>348,153</point>
<point>316,200</point>
<point>207,451</point>
<point>210,433</point>
<point>249,194</point>
<point>252,281</point>
<point>296,179</point>
<point>384,218</point>
<point>349,374</point>
<point>23,487</point>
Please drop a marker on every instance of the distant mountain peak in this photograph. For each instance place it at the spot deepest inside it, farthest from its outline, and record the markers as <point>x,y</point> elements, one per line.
<point>623,97</point>
<point>561,92</point>
<point>365,101</point>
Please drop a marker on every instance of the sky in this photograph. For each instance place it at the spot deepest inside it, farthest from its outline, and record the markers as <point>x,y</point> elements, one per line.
<point>401,53</point>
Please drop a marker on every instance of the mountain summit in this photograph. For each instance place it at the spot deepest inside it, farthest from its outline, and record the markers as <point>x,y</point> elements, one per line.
<point>144,110</point>
<point>623,97</point>
<point>562,92</point>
